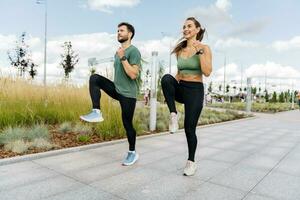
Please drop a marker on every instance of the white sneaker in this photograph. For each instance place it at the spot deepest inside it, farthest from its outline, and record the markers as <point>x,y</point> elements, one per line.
<point>173,123</point>
<point>94,116</point>
<point>190,168</point>
<point>131,158</point>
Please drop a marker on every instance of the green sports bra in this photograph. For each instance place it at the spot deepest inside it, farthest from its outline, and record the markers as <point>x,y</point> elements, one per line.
<point>189,65</point>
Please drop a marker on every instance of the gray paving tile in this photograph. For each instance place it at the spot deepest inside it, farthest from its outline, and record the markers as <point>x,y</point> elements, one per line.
<point>170,164</point>
<point>274,151</point>
<point>207,169</point>
<point>289,166</point>
<point>224,145</point>
<point>100,172</point>
<point>207,152</point>
<point>245,147</point>
<point>167,187</point>
<point>209,191</point>
<point>73,162</point>
<point>83,193</point>
<point>122,183</point>
<point>22,178</point>
<point>17,168</point>
<point>280,186</point>
<point>230,156</point>
<point>252,196</point>
<point>41,189</point>
<point>154,156</point>
<point>239,177</point>
<point>261,161</point>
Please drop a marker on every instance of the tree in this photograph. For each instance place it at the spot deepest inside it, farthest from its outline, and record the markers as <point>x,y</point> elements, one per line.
<point>92,71</point>
<point>147,78</point>
<point>266,96</point>
<point>220,88</point>
<point>32,71</point>
<point>253,90</point>
<point>227,88</point>
<point>274,97</point>
<point>161,71</point>
<point>210,87</point>
<point>281,97</point>
<point>19,57</point>
<point>69,59</point>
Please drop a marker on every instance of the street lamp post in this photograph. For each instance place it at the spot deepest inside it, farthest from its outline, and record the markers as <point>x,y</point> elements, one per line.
<point>45,39</point>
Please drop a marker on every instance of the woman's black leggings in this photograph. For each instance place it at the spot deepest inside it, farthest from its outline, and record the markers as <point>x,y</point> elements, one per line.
<point>98,82</point>
<point>191,94</point>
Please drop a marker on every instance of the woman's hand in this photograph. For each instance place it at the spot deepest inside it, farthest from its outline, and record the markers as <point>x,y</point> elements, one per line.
<point>206,57</point>
<point>198,45</point>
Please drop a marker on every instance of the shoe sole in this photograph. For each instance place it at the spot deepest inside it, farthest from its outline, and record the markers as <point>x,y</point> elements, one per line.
<point>91,121</point>
<point>128,164</point>
<point>173,131</point>
<point>184,174</point>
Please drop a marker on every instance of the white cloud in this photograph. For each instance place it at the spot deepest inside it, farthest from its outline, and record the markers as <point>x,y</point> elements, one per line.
<point>104,45</point>
<point>223,4</point>
<point>212,15</point>
<point>7,42</point>
<point>234,42</point>
<point>282,45</point>
<point>272,69</point>
<point>249,28</point>
<point>106,5</point>
<point>99,45</point>
<point>278,77</point>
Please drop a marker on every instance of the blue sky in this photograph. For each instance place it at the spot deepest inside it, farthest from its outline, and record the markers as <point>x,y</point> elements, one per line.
<point>254,34</point>
<point>149,17</point>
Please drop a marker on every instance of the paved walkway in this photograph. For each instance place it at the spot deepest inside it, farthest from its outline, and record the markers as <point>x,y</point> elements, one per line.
<point>256,159</point>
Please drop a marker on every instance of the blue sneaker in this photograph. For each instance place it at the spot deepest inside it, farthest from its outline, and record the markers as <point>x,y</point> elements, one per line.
<point>131,158</point>
<point>94,116</point>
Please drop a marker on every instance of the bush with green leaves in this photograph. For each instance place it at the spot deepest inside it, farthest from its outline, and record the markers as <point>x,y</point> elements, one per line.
<point>65,127</point>
<point>83,138</point>
<point>10,134</point>
<point>19,139</point>
<point>37,132</point>
<point>41,144</point>
<point>81,128</point>
<point>17,146</point>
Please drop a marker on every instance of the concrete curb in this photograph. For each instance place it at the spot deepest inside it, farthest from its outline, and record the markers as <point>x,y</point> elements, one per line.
<point>35,156</point>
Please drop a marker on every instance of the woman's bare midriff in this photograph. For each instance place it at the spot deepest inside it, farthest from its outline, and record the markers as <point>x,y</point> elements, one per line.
<point>192,78</point>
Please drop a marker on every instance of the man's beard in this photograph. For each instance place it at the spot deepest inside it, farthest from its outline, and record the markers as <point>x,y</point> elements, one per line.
<point>123,40</point>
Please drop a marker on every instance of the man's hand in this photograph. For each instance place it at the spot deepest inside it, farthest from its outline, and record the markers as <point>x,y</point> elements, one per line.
<point>121,52</point>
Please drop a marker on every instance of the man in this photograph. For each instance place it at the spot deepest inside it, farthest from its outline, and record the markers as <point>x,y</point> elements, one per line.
<point>127,66</point>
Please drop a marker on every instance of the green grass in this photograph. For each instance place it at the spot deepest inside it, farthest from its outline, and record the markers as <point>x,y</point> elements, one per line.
<point>256,107</point>
<point>32,109</point>
<point>208,116</point>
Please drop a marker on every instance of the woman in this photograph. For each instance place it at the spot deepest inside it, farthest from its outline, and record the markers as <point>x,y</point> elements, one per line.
<point>193,61</point>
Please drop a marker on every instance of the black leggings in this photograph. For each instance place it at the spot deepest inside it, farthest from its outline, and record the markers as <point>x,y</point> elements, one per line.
<point>191,94</point>
<point>98,82</point>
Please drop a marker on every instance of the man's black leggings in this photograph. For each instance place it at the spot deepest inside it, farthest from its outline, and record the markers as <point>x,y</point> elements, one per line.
<point>98,82</point>
<point>191,94</point>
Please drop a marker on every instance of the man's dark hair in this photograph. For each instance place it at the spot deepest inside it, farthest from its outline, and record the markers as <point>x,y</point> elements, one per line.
<point>129,27</point>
